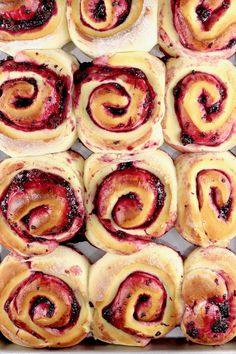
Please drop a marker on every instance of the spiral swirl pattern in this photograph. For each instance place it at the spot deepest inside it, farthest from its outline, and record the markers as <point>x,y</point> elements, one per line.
<point>96,24</point>
<point>198,27</point>
<point>206,198</point>
<point>201,110</point>
<point>41,202</point>
<point>129,202</point>
<point>36,24</point>
<point>36,105</point>
<point>136,298</point>
<point>210,309</point>
<point>43,306</point>
<point>121,98</point>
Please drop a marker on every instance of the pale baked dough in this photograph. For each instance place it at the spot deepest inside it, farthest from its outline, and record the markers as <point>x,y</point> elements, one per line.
<point>130,36</point>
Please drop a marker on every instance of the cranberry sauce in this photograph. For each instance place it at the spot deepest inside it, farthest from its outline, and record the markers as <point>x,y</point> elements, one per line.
<point>97,14</point>
<point>127,212</point>
<point>210,110</point>
<point>25,19</point>
<point>53,111</point>
<point>131,76</point>
<point>154,295</point>
<point>41,306</point>
<point>38,206</point>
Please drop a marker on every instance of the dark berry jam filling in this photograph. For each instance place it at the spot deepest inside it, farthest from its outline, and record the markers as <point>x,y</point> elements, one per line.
<point>112,110</point>
<point>115,312</point>
<point>97,13</point>
<point>39,206</point>
<point>52,112</point>
<point>25,19</point>
<point>209,108</point>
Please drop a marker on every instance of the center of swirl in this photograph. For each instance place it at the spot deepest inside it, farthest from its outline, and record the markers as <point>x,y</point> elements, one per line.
<point>141,295</point>
<point>122,99</point>
<point>39,206</point>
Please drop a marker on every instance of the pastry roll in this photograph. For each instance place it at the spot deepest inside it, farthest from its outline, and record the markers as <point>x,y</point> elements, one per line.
<point>41,202</point>
<point>207,198</point>
<point>209,293</point>
<point>36,114</point>
<point>200,105</point>
<point>198,28</point>
<point>130,200</point>
<point>119,102</point>
<point>98,27</point>
<point>28,24</point>
<point>44,299</point>
<point>136,298</point>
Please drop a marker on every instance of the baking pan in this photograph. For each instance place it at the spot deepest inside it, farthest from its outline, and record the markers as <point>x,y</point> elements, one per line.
<point>174,341</point>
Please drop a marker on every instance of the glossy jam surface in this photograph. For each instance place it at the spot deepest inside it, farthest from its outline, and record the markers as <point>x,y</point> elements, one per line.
<point>39,206</point>
<point>30,105</point>
<point>149,298</point>
<point>27,15</point>
<point>123,99</point>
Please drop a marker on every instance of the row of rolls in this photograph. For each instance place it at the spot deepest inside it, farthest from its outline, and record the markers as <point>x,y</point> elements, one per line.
<point>182,28</point>
<point>125,102</point>
<point>120,203</point>
<point>120,299</point>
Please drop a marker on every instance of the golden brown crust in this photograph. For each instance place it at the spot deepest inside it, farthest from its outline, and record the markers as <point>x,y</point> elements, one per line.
<point>209,295</point>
